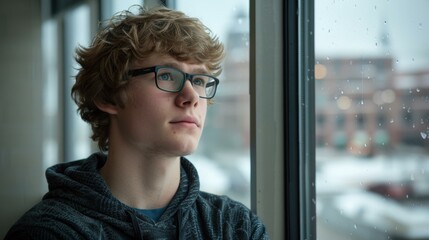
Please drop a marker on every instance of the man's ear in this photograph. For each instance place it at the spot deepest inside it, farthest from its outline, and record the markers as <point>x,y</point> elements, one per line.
<point>107,107</point>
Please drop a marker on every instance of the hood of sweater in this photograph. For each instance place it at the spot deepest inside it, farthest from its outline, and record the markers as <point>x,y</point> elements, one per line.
<point>79,184</point>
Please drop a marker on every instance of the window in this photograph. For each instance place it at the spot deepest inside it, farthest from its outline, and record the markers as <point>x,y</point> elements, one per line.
<point>372,72</point>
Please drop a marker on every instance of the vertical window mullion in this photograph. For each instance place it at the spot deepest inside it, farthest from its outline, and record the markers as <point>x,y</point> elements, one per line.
<point>266,94</point>
<point>291,120</point>
<point>306,109</point>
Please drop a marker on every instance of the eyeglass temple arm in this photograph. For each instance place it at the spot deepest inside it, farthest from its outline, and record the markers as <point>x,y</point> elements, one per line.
<point>141,71</point>
<point>210,84</point>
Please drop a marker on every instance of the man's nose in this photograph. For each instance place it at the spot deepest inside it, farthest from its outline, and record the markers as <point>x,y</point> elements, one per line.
<point>188,95</point>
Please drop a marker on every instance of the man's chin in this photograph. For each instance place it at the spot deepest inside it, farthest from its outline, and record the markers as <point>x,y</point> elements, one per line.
<point>186,153</point>
<point>188,150</point>
<point>184,147</point>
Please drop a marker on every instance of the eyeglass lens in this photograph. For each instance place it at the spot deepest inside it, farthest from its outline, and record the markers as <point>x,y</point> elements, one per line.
<point>172,80</point>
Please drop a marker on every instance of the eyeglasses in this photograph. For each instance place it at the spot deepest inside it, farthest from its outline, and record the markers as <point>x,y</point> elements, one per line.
<point>170,79</point>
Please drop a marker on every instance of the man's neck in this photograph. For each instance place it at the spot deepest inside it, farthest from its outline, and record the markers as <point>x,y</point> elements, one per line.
<point>141,181</point>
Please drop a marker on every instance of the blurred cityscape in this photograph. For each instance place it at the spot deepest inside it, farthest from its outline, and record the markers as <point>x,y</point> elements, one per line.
<point>372,127</point>
<point>366,108</point>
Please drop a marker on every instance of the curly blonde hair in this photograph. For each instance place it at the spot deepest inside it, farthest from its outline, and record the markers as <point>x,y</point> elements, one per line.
<point>130,37</point>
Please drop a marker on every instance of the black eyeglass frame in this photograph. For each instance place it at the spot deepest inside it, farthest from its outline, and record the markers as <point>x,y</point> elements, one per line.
<point>187,76</point>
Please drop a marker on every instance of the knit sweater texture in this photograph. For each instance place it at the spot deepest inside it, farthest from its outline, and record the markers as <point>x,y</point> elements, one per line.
<point>79,205</point>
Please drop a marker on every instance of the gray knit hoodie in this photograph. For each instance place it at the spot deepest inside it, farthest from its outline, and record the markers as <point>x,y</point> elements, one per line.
<point>79,205</point>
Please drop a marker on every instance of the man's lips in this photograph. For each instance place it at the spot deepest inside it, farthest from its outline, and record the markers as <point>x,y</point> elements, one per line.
<point>186,120</point>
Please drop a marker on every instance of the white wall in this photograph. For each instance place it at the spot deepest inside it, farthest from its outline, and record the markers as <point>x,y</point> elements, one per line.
<point>22,180</point>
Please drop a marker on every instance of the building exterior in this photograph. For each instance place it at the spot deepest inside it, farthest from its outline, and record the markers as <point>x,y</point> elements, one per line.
<point>364,106</point>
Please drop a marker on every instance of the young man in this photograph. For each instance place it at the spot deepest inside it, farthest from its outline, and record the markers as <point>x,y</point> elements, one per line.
<point>144,85</point>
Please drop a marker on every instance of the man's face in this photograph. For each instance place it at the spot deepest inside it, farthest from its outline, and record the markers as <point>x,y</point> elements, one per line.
<point>158,122</point>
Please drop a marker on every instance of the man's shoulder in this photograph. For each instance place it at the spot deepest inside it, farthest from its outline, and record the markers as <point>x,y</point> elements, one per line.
<point>49,219</point>
<point>223,208</point>
<point>231,217</point>
<point>51,208</point>
<point>221,202</point>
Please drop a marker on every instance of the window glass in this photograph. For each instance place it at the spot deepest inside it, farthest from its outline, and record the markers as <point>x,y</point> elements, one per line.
<point>51,101</point>
<point>111,7</point>
<point>77,143</point>
<point>223,156</point>
<point>372,119</point>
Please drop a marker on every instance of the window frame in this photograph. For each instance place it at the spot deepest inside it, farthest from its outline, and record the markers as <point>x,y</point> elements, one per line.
<point>267,165</point>
<point>283,173</point>
<point>307,119</point>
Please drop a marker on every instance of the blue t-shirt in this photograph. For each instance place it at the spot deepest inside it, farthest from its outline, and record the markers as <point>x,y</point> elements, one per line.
<point>154,214</point>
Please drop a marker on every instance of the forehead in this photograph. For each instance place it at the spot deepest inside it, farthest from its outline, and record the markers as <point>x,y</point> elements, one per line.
<point>158,59</point>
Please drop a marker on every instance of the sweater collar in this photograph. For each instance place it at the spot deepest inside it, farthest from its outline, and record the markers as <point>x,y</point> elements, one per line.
<point>65,178</point>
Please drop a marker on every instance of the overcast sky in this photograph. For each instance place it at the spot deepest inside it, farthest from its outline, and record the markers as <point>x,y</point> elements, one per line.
<point>363,27</point>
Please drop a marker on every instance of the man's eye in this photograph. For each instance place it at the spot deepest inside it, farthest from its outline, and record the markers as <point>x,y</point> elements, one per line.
<point>165,77</point>
<point>198,81</point>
